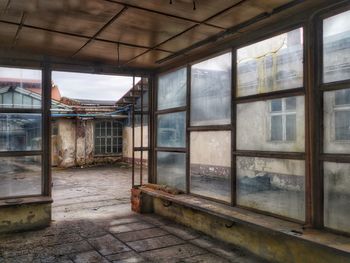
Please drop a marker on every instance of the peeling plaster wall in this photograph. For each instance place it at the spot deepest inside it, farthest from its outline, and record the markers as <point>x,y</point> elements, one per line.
<point>66,143</point>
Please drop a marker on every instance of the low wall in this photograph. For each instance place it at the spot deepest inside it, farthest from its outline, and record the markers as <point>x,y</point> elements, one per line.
<point>271,245</point>
<point>24,217</point>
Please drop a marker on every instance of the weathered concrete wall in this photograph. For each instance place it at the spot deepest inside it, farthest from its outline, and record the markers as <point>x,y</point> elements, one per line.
<point>127,143</point>
<point>24,217</point>
<point>273,247</point>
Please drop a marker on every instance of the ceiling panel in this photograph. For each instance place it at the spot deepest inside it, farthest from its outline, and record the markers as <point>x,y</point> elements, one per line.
<point>189,38</point>
<point>148,59</point>
<point>84,18</point>
<point>143,28</point>
<point>246,11</point>
<point>103,51</point>
<point>48,43</point>
<point>184,8</point>
<point>7,35</point>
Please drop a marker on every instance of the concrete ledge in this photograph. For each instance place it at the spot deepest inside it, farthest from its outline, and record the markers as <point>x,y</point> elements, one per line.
<point>25,216</point>
<point>271,238</point>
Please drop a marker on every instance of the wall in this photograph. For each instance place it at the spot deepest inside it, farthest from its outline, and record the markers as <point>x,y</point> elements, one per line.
<point>74,144</point>
<point>24,217</point>
<point>127,144</point>
<point>267,244</point>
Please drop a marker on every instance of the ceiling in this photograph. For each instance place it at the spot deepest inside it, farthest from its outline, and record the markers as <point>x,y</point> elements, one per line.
<point>129,33</point>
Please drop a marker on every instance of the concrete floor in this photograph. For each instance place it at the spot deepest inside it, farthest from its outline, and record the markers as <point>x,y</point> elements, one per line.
<point>92,222</point>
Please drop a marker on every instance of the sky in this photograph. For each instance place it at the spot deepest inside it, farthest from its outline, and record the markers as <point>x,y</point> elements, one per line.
<point>91,86</point>
<point>79,85</point>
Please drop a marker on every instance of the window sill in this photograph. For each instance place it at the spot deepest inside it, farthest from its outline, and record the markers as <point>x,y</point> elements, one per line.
<point>25,201</point>
<point>258,221</point>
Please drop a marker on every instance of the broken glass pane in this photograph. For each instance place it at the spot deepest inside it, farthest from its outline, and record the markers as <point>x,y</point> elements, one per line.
<point>172,89</point>
<point>336,48</point>
<point>337,196</point>
<point>210,168</point>
<point>211,91</point>
<point>271,65</point>
<point>171,169</point>
<point>272,185</point>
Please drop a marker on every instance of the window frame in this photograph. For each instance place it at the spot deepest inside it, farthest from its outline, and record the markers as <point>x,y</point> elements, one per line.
<point>321,88</point>
<point>45,152</point>
<point>283,113</point>
<point>111,136</point>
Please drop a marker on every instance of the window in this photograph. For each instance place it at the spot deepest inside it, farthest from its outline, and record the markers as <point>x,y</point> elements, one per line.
<point>21,118</point>
<point>336,122</point>
<point>172,89</point>
<point>283,119</point>
<point>20,88</point>
<point>336,196</point>
<point>210,159</point>
<point>108,137</point>
<point>269,131</point>
<point>273,185</point>
<point>272,125</point>
<point>211,91</point>
<point>171,169</point>
<point>270,65</point>
<point>171,129</point>
<point>342,115</point>
<point>336,48</point>
<point>336,119</point>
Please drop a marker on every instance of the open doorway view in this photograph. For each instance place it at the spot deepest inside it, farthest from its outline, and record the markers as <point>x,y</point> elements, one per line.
<point>90,141</point>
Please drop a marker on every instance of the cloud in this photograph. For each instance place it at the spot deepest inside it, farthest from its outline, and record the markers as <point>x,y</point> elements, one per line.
<point>91,86</point>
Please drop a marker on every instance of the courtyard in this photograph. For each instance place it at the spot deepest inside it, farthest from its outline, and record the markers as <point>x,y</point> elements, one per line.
<point>92,222</point>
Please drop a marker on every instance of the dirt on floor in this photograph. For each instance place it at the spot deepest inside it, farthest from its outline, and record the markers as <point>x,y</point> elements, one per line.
<point>92,222</point>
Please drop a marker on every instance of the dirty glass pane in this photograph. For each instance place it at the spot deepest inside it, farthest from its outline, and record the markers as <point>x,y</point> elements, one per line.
<point>337,196</point>
<point>171,169</point>
<point>20,132</point>
<point>210,167</point>
<point>271,125</point>
<point>337,121</point>
<point>336,47</point>
<point>171,130</point>
<point>272,185</point>
<point>20,176</point>
<point>172,89</point>
<point>20,88</point>
<point>276,128</point>
<point>271,65</point>
<point>211,91</point>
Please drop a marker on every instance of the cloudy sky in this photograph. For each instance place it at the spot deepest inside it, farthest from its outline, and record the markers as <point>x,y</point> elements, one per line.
<point>79,85</point>
<point>91,86</point>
